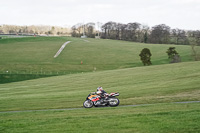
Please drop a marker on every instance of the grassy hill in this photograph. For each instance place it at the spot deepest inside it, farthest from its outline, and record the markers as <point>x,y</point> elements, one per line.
<point>35,54</point>
<point>152,84</point>
<point>32,57</point>
<point>117,70</point>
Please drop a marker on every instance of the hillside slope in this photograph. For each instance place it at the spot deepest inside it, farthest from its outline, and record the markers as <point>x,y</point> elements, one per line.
<point>36,55</point>
<point>152,84</point>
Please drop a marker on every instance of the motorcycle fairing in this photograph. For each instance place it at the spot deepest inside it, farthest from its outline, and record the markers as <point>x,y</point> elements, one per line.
<point>94,98</point>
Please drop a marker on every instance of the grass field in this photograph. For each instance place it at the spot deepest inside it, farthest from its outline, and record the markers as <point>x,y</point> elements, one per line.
<point>153,84</point>
<point>165,118</point>
<point>118,71</point>
<point>35,54</point>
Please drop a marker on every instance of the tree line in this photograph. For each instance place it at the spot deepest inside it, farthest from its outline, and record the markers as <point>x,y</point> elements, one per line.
<point>34,30</point>
<point>81,29</point>
<point>158,34</point>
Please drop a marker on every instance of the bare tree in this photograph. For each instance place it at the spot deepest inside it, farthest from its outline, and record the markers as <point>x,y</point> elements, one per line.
<point>107,28</point>
<point>123,31</point>
<point>160,34</point>
<point>132,31</point>
<point>179,36</point>
<point>77,29</point>
<point>90,29</point>
<point>143,34</point>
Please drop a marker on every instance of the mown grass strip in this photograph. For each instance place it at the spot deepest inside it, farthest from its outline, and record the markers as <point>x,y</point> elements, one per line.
<point>141,85</point>
<point>148,119</point>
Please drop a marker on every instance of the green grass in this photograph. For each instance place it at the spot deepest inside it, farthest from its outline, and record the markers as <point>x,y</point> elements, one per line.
<point>7,78</point>
<point>163,118</point>
<point>117,70</point>
<point>35,54</point>
<point>153,84</point>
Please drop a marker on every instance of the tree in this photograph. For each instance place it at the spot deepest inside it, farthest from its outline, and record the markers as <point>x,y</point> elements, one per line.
<point>179,36</point>
<point>123,31</point>
<point>171,52</point>
<point>109,29</point>
<point>145,37</point>
<point>90,29</point>
<point>145,56</point>
<point>132,31</point>
<point>195,44</point>
<point>160,34</point>
<point>118,27</point>
<point>173,55</point>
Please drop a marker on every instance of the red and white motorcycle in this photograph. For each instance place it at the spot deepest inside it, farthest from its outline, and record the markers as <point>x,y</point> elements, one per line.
<point>95,100</point>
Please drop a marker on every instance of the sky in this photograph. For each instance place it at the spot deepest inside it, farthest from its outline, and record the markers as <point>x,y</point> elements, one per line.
<point>182,14</point>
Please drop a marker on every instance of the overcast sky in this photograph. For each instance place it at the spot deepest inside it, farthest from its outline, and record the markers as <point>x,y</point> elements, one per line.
<point>183,14</point>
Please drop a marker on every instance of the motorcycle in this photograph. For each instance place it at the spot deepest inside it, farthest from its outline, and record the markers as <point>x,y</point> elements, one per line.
<point>95,100</point>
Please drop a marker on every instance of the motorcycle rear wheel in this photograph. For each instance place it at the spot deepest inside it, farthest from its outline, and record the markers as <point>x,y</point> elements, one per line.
<point>88,104</point>
<point>113,102</point>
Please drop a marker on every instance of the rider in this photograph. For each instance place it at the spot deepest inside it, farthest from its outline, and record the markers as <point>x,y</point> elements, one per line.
<point>101,92</point>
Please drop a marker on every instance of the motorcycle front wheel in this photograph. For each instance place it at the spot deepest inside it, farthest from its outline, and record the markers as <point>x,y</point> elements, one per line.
<point>87,104</point>
<point>113,102</point>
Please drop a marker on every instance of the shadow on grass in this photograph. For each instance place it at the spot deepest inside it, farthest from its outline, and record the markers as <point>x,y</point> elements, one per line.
<point>8,78</point>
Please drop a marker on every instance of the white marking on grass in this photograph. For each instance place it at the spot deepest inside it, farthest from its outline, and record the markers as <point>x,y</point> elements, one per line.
<point>61,49</point>
<point>20,111</point>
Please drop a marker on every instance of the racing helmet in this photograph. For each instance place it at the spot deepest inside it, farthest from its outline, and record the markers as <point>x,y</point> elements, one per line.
<point>99,88</point>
